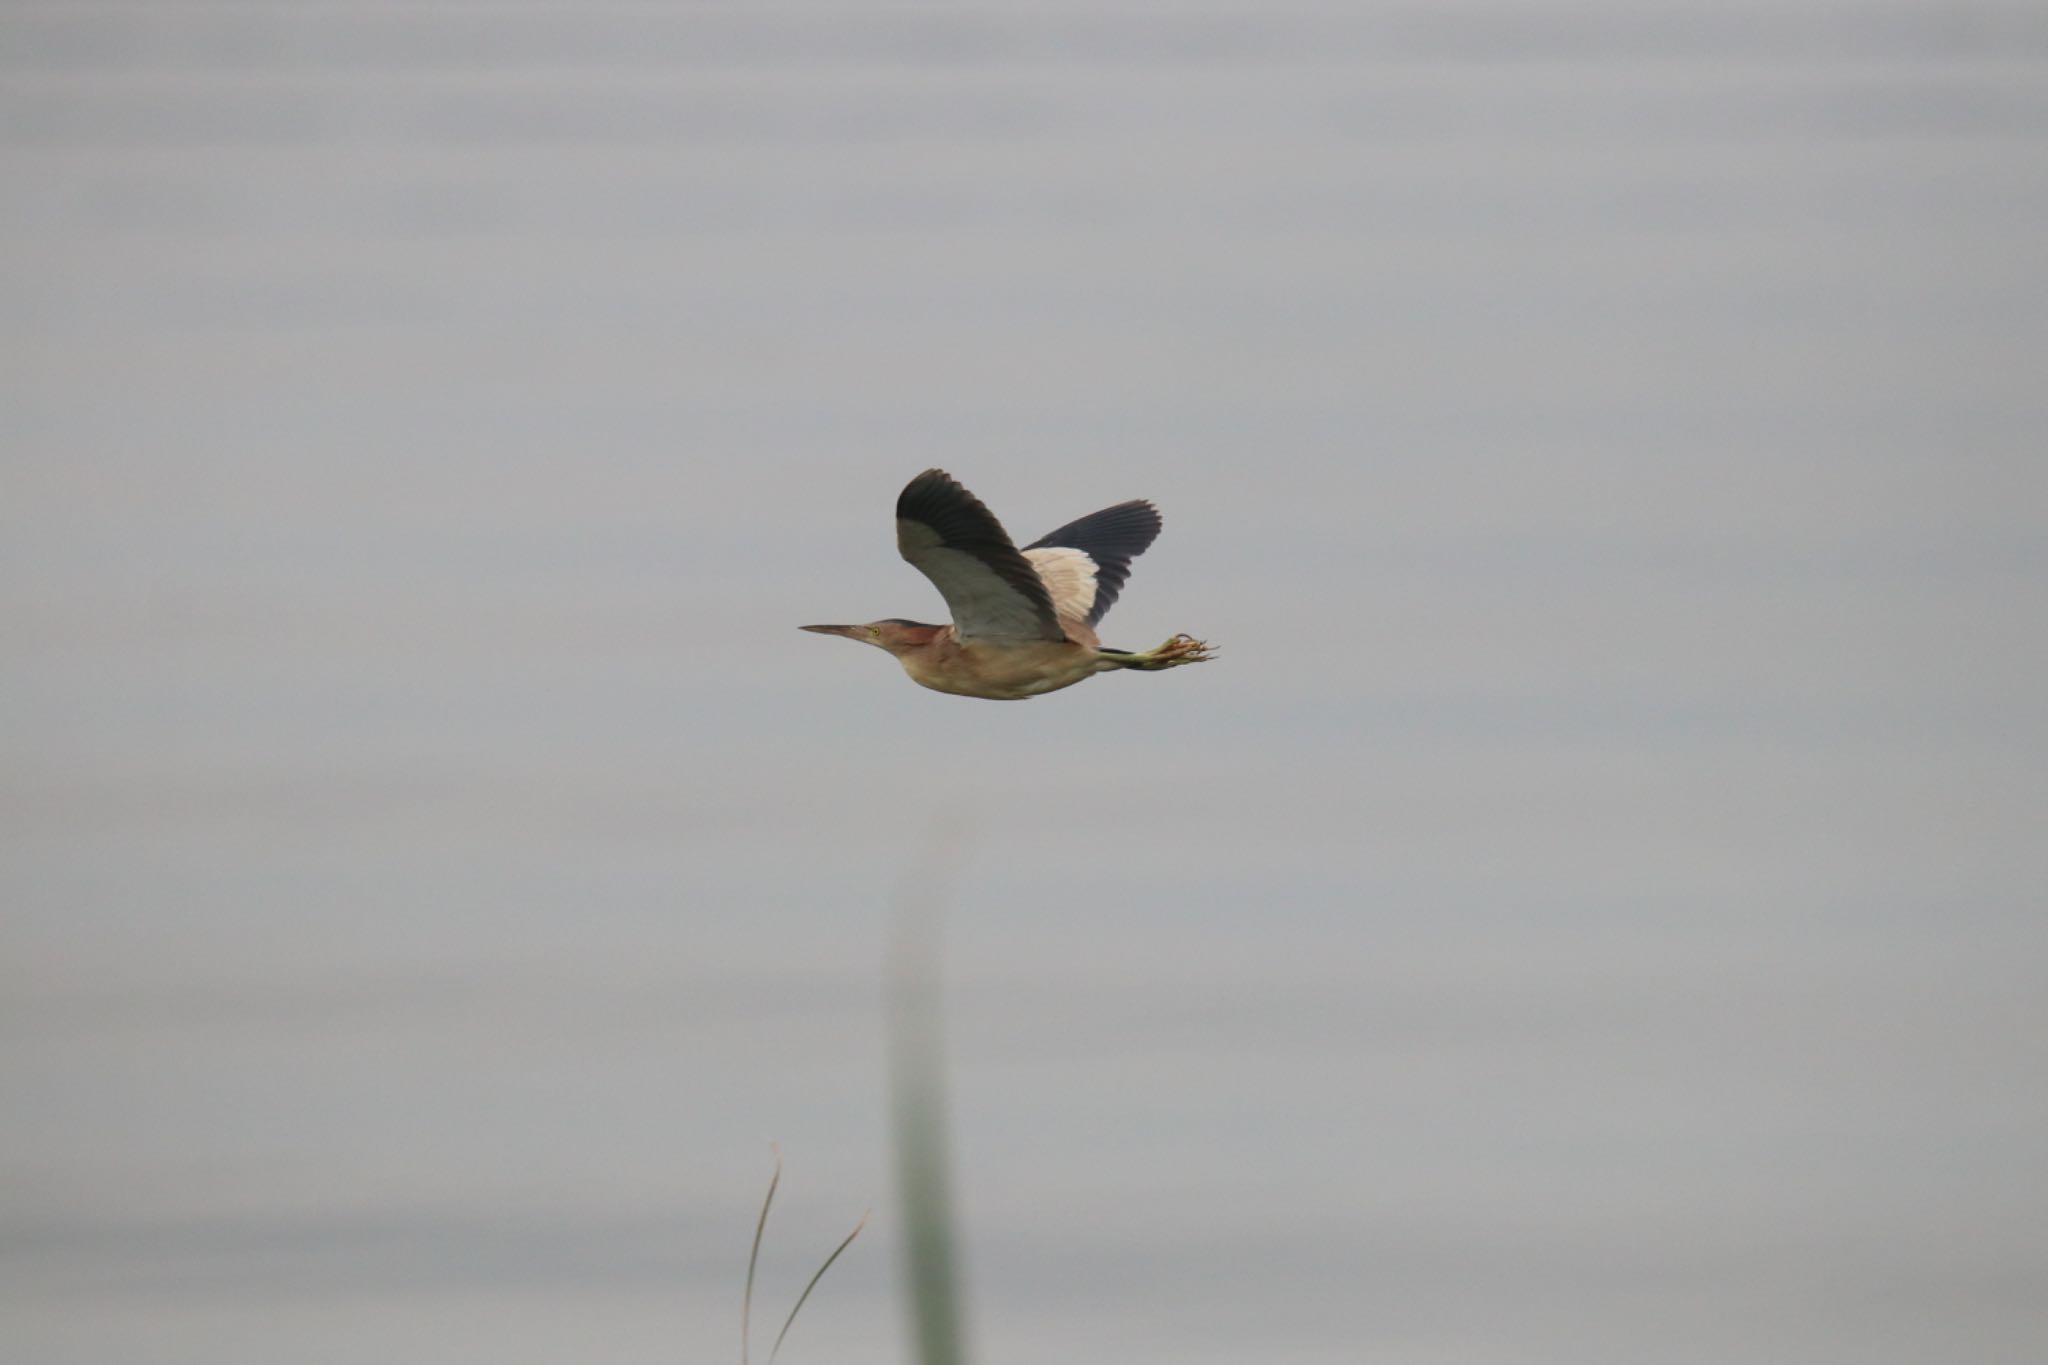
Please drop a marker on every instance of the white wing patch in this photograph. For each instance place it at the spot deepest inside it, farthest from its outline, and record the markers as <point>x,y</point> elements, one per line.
<point>1069,577</point>
<point>984,607</point>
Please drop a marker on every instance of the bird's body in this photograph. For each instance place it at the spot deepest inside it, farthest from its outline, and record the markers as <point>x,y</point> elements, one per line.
<point>1023,620</point>
<point>972,668</point>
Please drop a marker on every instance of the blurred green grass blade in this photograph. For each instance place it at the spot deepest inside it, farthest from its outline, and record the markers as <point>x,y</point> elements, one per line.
<point>931,1255</point>
<point>918,1111</point>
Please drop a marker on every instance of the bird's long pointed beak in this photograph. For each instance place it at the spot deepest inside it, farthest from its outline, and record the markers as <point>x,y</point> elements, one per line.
<point>831,630</point>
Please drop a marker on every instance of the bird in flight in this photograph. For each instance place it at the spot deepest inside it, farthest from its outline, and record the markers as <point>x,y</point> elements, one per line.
<point>1023,620</point>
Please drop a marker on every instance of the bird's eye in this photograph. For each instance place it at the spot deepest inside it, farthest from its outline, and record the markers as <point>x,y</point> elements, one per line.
<point>874,632</point>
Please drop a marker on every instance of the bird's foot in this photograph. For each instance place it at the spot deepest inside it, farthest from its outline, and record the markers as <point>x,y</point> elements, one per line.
<point>1181,649</point>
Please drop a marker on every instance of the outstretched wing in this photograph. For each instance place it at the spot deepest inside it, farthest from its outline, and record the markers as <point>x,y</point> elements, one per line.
<point>952,539</point>
<point>1084,563</point>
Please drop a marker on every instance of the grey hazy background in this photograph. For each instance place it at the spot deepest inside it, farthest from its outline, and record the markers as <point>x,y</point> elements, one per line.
<point>1592,912</point>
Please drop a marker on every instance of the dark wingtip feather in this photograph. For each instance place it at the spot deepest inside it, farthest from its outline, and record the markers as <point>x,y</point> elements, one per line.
<point>940,501</point>
<point>933,484</point>
<point>1124,531</point>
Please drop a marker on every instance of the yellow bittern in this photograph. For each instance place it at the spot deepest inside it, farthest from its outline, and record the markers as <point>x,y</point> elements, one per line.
<point>1023,620</point>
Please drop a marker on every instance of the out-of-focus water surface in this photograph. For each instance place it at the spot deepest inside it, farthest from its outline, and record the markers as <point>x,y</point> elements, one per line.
<point>1592,911</point>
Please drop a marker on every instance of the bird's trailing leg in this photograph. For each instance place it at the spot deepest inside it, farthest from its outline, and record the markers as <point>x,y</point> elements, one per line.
<point>1181,649</point>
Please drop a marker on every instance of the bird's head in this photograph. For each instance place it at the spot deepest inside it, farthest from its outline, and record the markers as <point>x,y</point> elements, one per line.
<point>894,634</point>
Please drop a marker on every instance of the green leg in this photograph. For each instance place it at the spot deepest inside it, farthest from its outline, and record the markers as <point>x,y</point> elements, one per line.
<point>1181,649</point>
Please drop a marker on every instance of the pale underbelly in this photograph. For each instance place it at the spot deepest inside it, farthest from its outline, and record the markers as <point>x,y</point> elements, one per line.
<point>1004,673</point>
